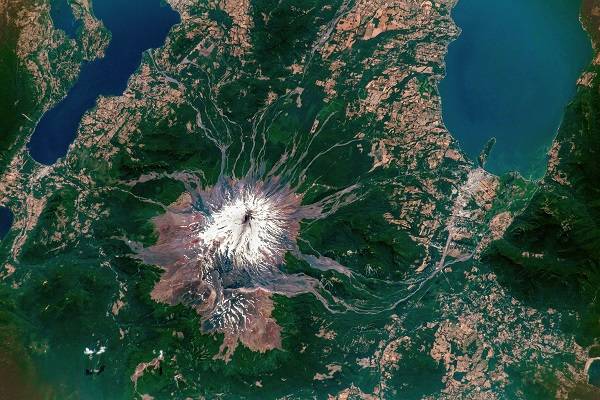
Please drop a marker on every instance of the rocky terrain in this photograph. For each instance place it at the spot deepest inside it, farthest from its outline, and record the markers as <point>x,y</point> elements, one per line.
<point>423,271</point>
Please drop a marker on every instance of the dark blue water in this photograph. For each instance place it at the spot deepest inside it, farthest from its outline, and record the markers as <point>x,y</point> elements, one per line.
<point>594,373</point>
<point>62,17</point>
<point>6,219</point>
<point>509,75</point>
<point>135,25</point>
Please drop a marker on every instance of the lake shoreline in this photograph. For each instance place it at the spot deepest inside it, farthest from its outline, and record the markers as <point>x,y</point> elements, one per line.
<point>135,26</point>
<point>532,140</point>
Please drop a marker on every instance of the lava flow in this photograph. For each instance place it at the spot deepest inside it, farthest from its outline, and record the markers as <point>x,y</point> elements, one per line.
<point>221,249</point>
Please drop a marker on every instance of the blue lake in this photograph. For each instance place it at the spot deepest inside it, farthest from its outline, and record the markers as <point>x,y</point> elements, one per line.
<point>6,219</point>
<point>135,25</point>
<point>509,75</point>
<point>62,17</point>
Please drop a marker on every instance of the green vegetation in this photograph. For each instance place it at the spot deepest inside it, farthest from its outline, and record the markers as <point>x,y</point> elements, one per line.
<point>551,253</point>
<point>78,283</point>
<point>17,98</point>
<point>485,152</point>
